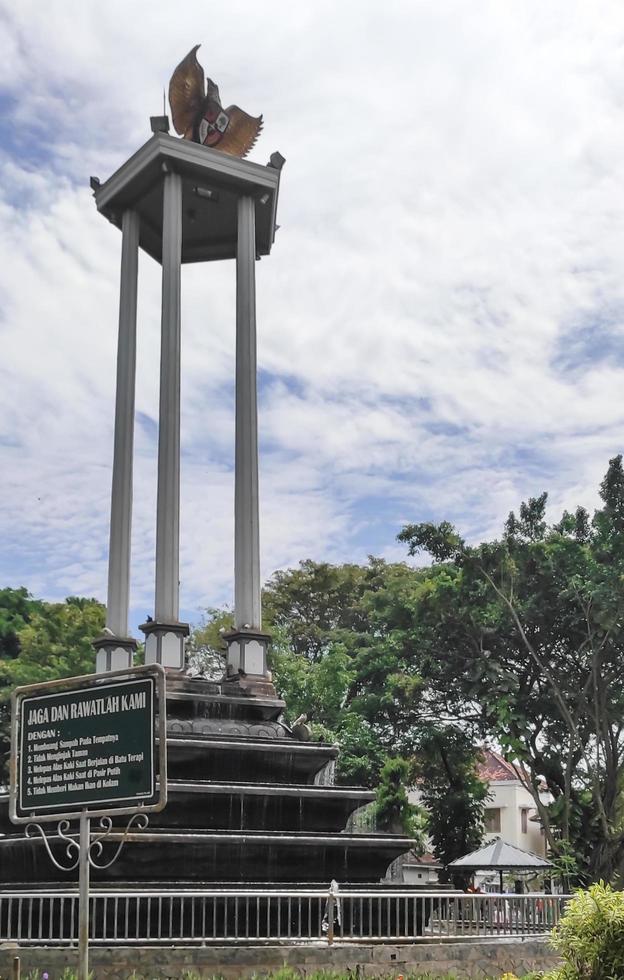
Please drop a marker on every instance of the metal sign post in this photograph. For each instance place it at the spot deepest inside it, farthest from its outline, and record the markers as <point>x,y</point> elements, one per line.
<point>88,747</point>
<point>83,896</point>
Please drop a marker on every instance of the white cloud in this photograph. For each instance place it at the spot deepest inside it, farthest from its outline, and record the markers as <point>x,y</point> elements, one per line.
<point>439,321</point>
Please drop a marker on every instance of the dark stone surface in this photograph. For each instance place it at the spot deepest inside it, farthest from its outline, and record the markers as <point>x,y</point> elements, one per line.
<point>223,856</point>
<point>256,807</point>
<point>246,758</point>
<point>200,805</point>
<point>243,807</point>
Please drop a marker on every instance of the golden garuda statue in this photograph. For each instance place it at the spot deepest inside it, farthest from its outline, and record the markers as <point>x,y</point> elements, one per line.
<point>199,116</point>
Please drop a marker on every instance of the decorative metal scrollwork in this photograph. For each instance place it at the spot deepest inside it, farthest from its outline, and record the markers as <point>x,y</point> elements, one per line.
<point>96,847</point>
<point>72,848</point>
<point>70,855</point>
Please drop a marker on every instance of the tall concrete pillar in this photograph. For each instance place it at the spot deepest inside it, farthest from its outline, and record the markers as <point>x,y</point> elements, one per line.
<point>168,504</point>
<point>247,610</point>
<point>165,635</point>
<point>115,649</point>
<point>247,644</point>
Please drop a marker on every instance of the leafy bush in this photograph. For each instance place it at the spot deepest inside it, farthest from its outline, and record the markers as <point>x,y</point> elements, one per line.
<point>393,810</point>
<point>590,936</point>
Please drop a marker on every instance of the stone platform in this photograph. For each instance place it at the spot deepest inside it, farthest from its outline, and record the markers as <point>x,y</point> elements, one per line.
<point>247,803</point>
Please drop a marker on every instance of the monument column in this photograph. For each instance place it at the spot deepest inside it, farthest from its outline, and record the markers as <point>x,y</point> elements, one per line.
<point>184,192</point>
<point>247,644</point>
<point>115,649</point>
<point>247,612</point>
<point>165,634</point>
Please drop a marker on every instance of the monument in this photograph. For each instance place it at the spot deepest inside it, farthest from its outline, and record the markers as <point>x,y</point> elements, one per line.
<point>248,802</point>
<point>189,200</point>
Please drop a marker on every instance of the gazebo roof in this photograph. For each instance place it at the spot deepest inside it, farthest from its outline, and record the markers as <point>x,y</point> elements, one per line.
<point>498,855</point>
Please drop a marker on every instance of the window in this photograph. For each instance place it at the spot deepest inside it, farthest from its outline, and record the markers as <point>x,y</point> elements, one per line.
<point>493,820</point>
<point>524,820</point>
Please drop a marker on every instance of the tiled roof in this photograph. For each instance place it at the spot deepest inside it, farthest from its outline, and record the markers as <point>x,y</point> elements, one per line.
<point>494,768</point>
<point>427,860</point>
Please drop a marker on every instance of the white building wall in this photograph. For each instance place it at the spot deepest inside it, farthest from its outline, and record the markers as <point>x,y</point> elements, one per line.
<point>511,798</point>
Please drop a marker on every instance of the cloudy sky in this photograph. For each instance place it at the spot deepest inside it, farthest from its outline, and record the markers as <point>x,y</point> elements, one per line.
<point>440,321</point>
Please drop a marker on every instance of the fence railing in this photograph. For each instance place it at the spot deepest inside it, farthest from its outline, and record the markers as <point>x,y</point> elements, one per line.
<point>261,916</point>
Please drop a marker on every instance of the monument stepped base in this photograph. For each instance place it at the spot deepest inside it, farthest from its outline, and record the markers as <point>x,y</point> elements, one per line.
<point>248,803</point>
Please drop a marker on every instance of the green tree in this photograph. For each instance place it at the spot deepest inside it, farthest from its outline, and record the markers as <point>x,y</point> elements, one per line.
<point>392,809</point>
<point>16,608</point>
<point>452,793</point>
<point>52,640</point>
<point>361,753</point>
<point>205,647</point>
<point>522,637</point>
<point>335,658</point>
<point>316,605</point>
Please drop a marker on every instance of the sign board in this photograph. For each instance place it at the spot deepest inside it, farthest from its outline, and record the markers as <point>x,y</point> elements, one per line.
<point>89,743</point>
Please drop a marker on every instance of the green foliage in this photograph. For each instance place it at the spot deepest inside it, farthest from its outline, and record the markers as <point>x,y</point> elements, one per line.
<point>44,641</point>
<point>205,647</point>
<point>317,688</point>
<point>16,608</point>
<point>56,642</point>
<point>522,639</point>
<point>315,604</point>
<point>590,936</point>
<point>516,640</point>
<point>393,811</point>
<point>441,541</point>
<point>333,658</point>
<point>452,793</point>
<point>566,861</point>
<point>361,752</point>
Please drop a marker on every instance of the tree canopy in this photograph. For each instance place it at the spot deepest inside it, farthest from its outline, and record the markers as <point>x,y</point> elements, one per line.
<point>41,641</point>
<point>522,638</point>
<point>516,641</point>
<point>362,685</point>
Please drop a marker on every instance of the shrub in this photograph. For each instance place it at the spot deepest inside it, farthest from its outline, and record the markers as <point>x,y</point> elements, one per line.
<point>393,811</point>
<point>590,936</point>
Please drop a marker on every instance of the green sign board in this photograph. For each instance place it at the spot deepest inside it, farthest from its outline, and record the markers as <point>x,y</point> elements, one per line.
<point>91,747</point>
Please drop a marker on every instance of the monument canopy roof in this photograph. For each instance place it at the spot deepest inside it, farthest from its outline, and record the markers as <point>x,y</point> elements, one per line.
<point>212,182</point>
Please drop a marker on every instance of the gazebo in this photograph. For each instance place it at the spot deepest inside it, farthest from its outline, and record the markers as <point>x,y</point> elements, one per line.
<point>500,856</point>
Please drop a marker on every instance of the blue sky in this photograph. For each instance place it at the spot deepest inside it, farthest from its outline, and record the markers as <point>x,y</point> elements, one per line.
<point>440,322</point>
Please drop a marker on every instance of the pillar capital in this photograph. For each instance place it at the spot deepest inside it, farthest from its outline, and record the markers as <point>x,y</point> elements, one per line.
<point>164,643</point>
<point>113,652</point>
<point>247,671</point>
